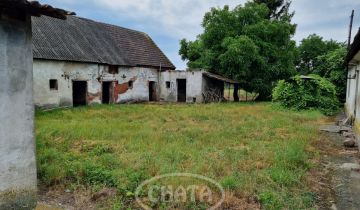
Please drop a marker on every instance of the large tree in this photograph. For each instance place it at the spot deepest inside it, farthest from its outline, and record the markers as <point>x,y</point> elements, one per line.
<point>245,44</point>
<point>309,49</point>
<point>278,9</point>
<point>324,58</point>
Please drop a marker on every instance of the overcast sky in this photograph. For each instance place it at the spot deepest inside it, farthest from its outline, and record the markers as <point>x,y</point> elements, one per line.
<point>168,21</point>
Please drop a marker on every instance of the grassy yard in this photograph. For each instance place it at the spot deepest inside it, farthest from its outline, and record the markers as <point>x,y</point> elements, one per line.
<point>260,154</point>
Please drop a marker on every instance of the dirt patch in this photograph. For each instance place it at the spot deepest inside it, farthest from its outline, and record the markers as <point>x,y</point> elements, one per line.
<point>337,181</point>
<point>44,206</point>
<point>58,197</point>
<point>240,202</point>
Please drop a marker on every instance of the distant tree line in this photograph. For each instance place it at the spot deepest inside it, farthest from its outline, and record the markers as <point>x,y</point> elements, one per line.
<point>253,43</point>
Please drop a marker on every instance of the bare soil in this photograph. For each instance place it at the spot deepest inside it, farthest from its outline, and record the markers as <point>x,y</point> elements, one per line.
<point>337,180</point>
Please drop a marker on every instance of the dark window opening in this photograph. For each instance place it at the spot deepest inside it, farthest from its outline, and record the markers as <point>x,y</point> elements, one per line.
<point>167,84</point>
<point>130,84</point>
<point>79,93</point>
<point>194,100</point>
<point>113,69</point>
<point>53,84</point>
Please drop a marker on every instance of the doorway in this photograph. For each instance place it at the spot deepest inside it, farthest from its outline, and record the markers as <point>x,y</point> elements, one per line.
<point>152,91</point>
<point>181,90</point>
<point>79,93</point>
<point>107,92</point>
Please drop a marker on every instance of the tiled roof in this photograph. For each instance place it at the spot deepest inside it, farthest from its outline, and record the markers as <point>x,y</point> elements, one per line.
<point>84,40</point>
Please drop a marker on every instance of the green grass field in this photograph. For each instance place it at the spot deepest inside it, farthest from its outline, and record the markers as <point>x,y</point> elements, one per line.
<point>259,153</point>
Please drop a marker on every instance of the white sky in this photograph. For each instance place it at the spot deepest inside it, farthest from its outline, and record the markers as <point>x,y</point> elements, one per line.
<point>168,21</point>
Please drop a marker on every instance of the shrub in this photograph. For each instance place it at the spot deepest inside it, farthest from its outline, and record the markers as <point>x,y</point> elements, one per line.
<point>314,92</point>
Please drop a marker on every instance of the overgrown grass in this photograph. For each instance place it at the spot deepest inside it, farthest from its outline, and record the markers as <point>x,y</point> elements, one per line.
<point>249,148</point>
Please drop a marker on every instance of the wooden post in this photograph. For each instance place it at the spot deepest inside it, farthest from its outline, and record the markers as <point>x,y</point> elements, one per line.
<point>236,93</point>
<point>229,91</point>
<point>350,28</point>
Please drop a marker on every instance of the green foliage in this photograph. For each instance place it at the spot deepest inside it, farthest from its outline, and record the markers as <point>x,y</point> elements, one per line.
<point>330,66</point>
<point>247,43</point>
<point>301,94</point>
<point>278,8</point>
<point>309,49</point>
<point>324,58</point>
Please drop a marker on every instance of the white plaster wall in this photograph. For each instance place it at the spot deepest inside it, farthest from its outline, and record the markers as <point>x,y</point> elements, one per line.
<point>64,73</point>
<point>17,148</point>
<point>94,74</point>
<point>351,91</point>
<point>193,85</point>
<point>141,78</point>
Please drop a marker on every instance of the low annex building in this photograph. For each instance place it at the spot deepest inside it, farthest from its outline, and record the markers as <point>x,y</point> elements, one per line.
<point>192,86</point>
<point>82,62</point>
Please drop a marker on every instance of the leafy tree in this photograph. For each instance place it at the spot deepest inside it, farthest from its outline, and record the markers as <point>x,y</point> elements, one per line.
<point>325,58</point>
<point>310,48</point>
<point>330,66</point>
<point>277,8</point>
<point>246,45</point>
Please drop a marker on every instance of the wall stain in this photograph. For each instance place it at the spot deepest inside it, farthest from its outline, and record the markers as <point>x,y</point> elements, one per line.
<point>92,96</point>
<point>122,88</point>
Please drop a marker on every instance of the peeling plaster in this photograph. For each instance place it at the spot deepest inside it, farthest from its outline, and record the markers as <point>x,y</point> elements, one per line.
<point>94,74</point>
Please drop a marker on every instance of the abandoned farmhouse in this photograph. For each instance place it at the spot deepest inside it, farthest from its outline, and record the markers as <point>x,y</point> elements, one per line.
<point>79,61</point>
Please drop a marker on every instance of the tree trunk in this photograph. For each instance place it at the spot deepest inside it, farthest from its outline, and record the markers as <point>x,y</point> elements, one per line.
<point>236,91</point>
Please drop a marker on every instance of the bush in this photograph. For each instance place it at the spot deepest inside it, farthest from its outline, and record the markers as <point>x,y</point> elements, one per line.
<point>314,92</point>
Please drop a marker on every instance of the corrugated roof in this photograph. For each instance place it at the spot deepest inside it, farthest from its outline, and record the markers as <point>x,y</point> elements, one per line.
<point>221,78</point>
<point>84,40</point>
<point>34,8</point>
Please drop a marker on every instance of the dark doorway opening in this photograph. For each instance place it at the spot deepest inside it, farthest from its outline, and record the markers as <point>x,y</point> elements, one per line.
<point>79,93</point>
<point>181,90</point>
<point>152,91</point>
<point>107,90</point>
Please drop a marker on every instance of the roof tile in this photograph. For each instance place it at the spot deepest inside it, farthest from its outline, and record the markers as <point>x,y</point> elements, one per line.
<point>84,40</point>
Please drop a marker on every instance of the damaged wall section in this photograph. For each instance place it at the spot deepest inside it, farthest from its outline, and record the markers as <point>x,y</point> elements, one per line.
<point>128,84</point>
